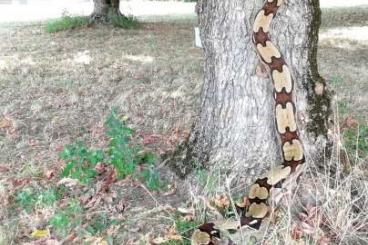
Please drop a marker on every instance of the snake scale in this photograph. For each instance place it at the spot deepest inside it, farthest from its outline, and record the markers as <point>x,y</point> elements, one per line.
<point>285,116</point>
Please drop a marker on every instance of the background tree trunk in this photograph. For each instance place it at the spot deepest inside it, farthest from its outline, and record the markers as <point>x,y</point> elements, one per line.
<point>235,128</point>
<point>104,8</point>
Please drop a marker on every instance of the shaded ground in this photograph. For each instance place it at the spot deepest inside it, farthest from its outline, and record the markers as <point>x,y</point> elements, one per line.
<point>58,88</point>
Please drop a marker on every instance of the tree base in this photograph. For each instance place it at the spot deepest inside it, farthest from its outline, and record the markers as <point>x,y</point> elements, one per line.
<point>106,17</point>
<point>180,161</point>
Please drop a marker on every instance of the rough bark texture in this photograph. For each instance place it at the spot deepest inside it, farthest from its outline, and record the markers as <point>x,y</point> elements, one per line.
<point>104,8</point>
<point>235,128</point>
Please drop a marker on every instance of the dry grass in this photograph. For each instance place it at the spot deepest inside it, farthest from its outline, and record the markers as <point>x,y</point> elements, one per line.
<point>324,207</point>
<point>58,88</point>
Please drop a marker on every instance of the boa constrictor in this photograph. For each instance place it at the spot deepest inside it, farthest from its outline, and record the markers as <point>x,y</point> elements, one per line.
<point>291,145</point>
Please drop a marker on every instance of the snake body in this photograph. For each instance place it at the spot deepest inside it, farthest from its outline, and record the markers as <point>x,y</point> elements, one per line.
<point>286,126</point>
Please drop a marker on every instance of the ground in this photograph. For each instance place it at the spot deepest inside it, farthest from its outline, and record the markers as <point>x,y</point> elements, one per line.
<point>57,88</point>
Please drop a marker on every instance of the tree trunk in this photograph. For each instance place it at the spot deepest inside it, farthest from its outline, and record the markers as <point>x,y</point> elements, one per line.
<point>235,129</point>
<point>104,9</point>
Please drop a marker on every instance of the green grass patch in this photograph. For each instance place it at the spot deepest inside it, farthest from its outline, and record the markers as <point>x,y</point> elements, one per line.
<point>125,22</point>
<point>28,198</point>
<point>122,153</point>
<point>66,22</point>
<point>68,218</point>
<point>81,162</point>
<point>356,142</point>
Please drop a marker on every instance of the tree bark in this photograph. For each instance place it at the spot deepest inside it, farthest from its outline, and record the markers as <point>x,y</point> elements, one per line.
<point>235,129</point>
<point>103,9</point>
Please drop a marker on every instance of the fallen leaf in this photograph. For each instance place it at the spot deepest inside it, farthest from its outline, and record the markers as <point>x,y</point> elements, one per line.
<point>296,233</point>
<point>222,201</point>
<point>349,122</point>
<point>243,203</point>
<point>171,232</point>
<point>149,138</point>
<point>227,224</point>
<point>324,240</point>
<point>307,228</point>
<point>5,122</point>
<point>68,182</point>
<point>49,174</point>
<point>186,210</point>
<point>96,241</point>
<point>40,233</point>
<point>100,168</point>
<point>175,237</point>
<point>188,217</point>
<point>159,240</point>
<point>172,190</point>
<point>20,181</point>
<point>3,168</point>
<point>108,180</point>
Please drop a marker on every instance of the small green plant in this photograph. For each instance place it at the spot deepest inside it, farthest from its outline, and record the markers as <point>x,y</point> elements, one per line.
<point>122,153</point>
<point>125,22</point>
<point>66,22</point>
<point>126,156</point>
<point>48,197</point>
<point>185,229</point>
<point>65,220</point>
<point>80,161</point>
<point>28,198</point>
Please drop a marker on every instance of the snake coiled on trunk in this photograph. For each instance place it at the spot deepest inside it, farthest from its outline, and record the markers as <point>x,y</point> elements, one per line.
<point>285,118</point>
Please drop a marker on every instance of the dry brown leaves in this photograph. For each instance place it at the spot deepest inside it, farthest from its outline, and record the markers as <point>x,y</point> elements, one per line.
<point>311,224</point>
<point>349,122</point>
<point>222,201</point>
<point>7,125</point>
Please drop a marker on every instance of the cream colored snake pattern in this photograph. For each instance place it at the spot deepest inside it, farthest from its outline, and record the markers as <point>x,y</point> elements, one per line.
<point>293,154</point>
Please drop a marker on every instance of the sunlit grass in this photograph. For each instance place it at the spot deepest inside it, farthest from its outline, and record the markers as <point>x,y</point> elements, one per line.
<point>66,22</point>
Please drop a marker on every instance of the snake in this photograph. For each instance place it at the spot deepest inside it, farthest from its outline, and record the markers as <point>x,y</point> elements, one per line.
<point>293,157</point>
